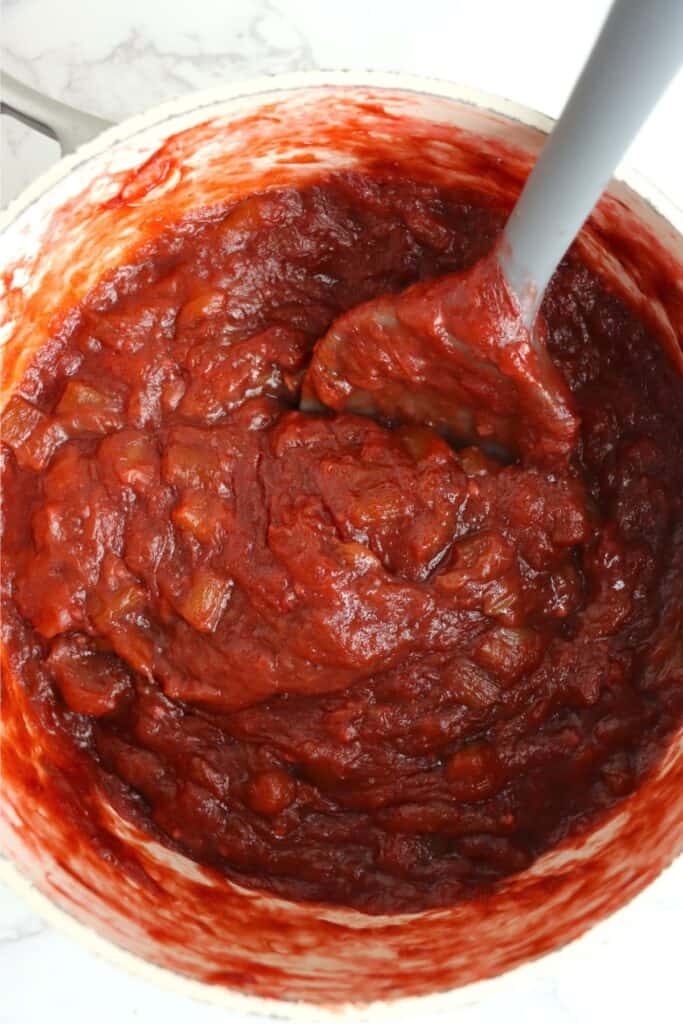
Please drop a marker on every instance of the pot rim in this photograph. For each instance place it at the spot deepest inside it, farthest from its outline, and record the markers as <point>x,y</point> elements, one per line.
<point>286,82</point>
<point>189,104</point>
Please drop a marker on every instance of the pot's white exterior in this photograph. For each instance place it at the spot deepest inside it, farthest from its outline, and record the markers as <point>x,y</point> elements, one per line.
<point>125,145</point>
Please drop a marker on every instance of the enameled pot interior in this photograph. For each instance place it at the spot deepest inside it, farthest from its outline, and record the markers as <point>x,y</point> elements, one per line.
<point>159,906</point>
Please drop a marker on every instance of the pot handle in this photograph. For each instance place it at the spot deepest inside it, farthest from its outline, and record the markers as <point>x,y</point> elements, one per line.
<point>70,127</point>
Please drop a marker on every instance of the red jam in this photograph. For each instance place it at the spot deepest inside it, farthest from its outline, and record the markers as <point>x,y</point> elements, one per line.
<point>334,656</point>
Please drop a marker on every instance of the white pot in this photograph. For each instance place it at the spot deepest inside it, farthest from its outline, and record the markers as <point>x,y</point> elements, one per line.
<point>222,943</point>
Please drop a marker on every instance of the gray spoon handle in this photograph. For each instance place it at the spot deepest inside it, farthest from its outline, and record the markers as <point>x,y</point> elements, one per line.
<point>636,55</point>
<point>70,127</point>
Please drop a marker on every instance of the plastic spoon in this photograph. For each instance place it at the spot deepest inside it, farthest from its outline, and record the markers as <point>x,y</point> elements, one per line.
<point>477,363</point>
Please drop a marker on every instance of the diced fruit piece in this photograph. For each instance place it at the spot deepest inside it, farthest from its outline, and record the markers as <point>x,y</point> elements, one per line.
<point>91,682</point>
<point>185,465</point>
<point>118,593</point>
<point>204,603</point>
<point>482,556</point>
<point>55,523</point>
<point>222,378</point>
<point>358,556</point>
<point>32,435</point>
<point>38,449</point>
<point>469,684</point>
<point>565,592</point>
<point>381,502</point>
<point>133,457</point>
<point>50,594</point>
<point>502,599</point>
<point>19,420</point>
<point>69,474</point>
<point>126,332</point>
<point>85,409</point>
<point>271,792</point>
<point>200,514</point>
<point>509,653</point>
<point>484,576</point>
<point>206,304</point>
<point>474,772</point>
<point>134,645</point>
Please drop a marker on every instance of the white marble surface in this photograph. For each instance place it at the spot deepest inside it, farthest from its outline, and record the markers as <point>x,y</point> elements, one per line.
<point>117,58</point>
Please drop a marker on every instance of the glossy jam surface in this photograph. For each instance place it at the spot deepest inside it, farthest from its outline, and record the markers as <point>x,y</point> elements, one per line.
<point>329,654</point>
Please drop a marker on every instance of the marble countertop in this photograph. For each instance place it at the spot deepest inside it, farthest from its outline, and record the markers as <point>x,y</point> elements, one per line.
<point>115,60</point>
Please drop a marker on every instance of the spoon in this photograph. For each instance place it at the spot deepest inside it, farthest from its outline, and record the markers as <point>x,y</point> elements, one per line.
<point>466,352</point>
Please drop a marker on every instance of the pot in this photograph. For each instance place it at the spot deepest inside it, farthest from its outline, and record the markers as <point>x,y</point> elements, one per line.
<point>191,929</point>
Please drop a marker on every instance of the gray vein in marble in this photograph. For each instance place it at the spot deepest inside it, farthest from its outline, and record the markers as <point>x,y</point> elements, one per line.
<point>137,70</point>
<point>24,930</point>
